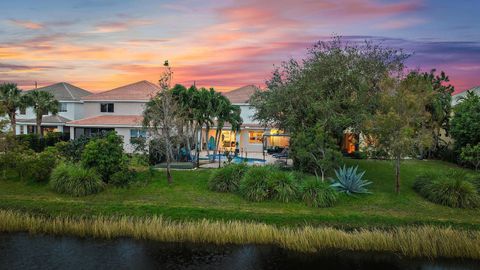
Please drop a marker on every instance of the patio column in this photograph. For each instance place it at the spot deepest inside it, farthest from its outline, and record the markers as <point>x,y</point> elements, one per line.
<point>72,133</point>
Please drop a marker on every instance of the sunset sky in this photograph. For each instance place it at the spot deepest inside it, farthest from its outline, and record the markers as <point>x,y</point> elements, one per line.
<point>99,45</point>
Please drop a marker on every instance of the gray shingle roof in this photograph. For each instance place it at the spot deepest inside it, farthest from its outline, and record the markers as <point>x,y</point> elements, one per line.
<point>242,94</point>
<point>54,119</point>
<point>456,97</point>
<point>64,91</point>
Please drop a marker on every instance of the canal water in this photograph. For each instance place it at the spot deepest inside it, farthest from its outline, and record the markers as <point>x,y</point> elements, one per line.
<point>24,251</point>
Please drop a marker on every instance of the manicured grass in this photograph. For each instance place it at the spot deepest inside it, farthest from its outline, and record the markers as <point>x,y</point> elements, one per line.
<point>189,199</point>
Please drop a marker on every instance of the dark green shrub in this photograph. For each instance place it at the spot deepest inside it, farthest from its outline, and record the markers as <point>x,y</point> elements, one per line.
<point>122,178</point>
<point>358,155</point>
<point>72,150</point>
<point>318,194</point>
<point>42,165</point>
<point>254,185</point>
<point>75,180</point>
<point>283,186</point>
<point>227,178</point>
<point>105,155</point>
<point>449,190</point>
<point>38,144</point>
<point>476,183</point>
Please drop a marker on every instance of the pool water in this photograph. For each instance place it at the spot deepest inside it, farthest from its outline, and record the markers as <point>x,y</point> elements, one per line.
<point>250,161</point>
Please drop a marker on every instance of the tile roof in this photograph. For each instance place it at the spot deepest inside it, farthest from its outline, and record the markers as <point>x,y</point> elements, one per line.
<point>64,91</point>
<point>55,119</point>
<point>456,97</point>
<point>242,94</point>
<point>109,120</point>
<point>142,90</point>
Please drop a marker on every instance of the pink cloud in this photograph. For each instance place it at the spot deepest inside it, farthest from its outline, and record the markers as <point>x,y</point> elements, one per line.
<point>399,24</point>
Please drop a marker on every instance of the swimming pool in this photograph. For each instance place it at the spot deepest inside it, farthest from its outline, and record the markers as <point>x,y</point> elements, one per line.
<point>237,159</point>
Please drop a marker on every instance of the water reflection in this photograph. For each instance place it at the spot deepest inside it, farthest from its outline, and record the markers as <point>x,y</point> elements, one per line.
<point>22,251</point>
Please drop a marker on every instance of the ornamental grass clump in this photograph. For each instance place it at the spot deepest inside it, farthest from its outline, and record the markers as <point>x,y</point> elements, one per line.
<point>318,194</point>
<point>254,185</point>
<point>283,186</point>
<point>227,179</point>
<point>447,190</point>
<point>75,180</point>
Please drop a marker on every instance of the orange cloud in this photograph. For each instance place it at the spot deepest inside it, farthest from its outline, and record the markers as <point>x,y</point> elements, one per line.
<point>27,24</point>
<point>119,26</point>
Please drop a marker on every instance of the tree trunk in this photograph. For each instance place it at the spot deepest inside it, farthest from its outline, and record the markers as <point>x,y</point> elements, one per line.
<point>397,175</point>
<point>168,157</point>
<point>207,130</point>
<point>13,122</point>
<point>199,142</point>
<point>39,126</point>
<point>215,151</point>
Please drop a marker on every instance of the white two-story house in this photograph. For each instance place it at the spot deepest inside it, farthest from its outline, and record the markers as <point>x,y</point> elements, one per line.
<point>119,109</point>
<point>71,108</point>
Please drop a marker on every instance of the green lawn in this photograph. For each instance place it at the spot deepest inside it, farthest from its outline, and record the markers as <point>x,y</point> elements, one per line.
<point>188,198</point>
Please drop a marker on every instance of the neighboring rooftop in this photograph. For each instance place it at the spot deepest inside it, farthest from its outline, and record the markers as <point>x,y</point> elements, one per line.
<point>141,91</point>
<point>456,97</point>
<point>64,91</point>
<point>109,120</point>
<point>46,119</point>
<point>242,94</point>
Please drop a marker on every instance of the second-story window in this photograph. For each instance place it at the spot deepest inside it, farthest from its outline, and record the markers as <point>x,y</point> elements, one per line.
<point>62,107</point>
<point>106,107</point>
<point>23,111</point>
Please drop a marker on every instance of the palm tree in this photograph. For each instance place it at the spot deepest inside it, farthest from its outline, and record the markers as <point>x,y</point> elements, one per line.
<point>42,103</point>
<point>226,112</point>
<point>11,99</point>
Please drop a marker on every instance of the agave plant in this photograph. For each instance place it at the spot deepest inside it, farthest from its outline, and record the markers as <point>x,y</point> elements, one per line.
<point>349,181</point>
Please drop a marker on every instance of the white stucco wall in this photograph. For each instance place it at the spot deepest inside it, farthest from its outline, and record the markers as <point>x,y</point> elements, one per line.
<point>247,113</point>
<point>247,146</point>
<point>92,109</point>
<point>125,133</point>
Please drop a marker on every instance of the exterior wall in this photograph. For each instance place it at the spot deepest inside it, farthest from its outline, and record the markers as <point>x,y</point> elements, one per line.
<point>247,113</point>
<point>74,111</point>
<point>247,146</point>
<point>92,108</point>
<point>125,133</point>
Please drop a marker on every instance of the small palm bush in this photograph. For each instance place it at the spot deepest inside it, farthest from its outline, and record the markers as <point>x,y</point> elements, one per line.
<point>318,194</point>
<point>122,178</point>
<point>283,186</point>
<point>349,181</point>
<point>476,183</point>
<point>254,185</point>
<point>75,180</point>
<point>448,191</point>
<point>227,179</point>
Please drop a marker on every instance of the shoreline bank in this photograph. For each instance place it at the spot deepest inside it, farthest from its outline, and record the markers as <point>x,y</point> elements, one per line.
<point>410,241</point>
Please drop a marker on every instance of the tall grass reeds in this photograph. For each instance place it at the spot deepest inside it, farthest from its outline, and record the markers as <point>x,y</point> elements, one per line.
<point>421,241</point>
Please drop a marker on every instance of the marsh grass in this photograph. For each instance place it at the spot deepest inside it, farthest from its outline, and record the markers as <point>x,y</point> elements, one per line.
<point>422,241</point>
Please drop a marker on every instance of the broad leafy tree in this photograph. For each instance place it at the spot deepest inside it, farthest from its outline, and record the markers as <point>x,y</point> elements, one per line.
<point>398,126</point>
<point>440,108</point>
<point>336,87</point>
<point>465,124</point>
<point>42,103</point>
